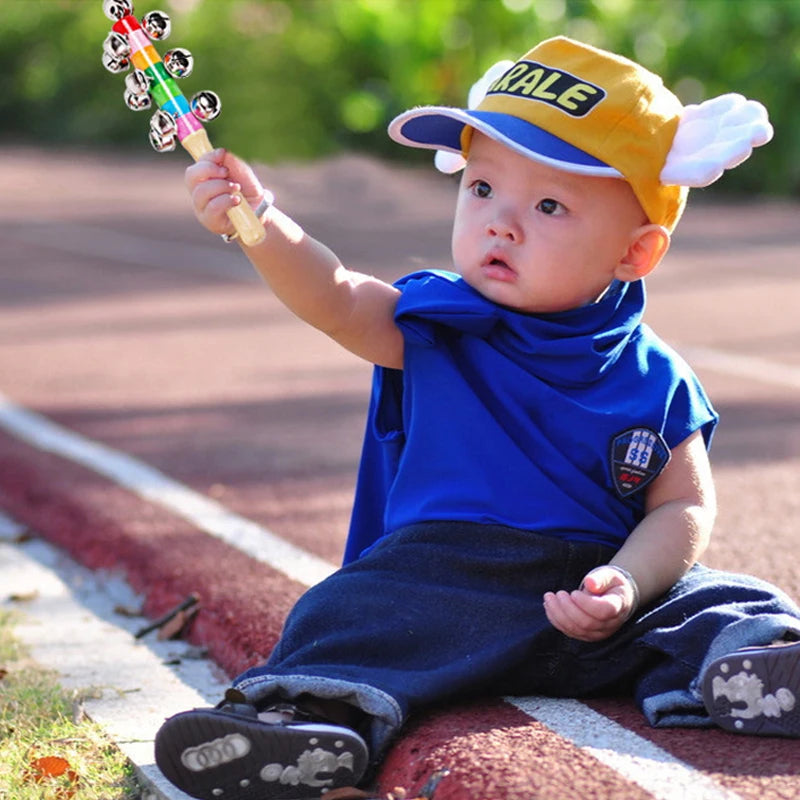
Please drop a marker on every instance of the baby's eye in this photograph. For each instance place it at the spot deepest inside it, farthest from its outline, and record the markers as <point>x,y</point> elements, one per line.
<point>481,189</point>
<point>550,206</point>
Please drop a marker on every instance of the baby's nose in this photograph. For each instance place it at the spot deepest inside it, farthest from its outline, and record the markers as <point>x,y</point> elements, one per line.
<point>505,227</point>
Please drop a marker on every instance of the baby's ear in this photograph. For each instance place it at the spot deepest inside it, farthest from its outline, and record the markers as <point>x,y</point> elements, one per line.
<point>648,245</point>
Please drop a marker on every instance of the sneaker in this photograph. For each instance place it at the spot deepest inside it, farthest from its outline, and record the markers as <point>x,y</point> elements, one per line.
<point>231,753</point>
<point>756,690</point>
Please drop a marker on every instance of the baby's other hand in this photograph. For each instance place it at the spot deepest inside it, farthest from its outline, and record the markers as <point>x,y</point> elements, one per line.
<point>213,183</point>
<point>595,611</point>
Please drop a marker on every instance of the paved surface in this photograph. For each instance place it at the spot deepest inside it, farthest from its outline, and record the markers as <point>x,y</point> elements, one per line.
<point>124,322</point>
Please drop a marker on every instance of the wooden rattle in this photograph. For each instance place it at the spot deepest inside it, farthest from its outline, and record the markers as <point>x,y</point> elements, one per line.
<point>176,120</point>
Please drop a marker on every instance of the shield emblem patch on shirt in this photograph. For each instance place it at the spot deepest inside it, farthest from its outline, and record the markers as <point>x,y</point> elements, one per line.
<point>637,456</point>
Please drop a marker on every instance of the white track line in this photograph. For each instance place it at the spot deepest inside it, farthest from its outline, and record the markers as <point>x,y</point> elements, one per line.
<point>631,755</point>
<point>749,367</point>
<point>638,760</point>
<point>117,247</point>
<point>150,484</point>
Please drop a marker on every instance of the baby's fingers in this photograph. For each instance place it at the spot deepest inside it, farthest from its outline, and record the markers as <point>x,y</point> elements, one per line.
<point>599,607</point>
<point>208,167</point>
<point>568,615</point>
<point>564,614</point>
<point>212,200</point>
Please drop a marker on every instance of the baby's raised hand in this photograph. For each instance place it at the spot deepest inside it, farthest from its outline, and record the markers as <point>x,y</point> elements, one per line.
<point>213,181</point>
<point>598,609</point>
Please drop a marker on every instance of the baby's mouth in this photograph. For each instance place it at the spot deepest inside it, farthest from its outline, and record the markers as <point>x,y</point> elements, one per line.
<point>497,267</point>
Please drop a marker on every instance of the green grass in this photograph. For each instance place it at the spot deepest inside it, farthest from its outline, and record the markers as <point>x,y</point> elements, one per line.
<point>40,720</point>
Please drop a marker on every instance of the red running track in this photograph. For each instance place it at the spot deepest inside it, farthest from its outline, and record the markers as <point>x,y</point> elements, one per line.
<point>140,331</point>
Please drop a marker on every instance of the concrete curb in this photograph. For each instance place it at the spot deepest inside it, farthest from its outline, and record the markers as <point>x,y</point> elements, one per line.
<point>69,625</point>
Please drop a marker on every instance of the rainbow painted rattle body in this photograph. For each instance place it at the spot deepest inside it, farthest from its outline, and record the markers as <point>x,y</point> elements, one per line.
<point>176,120</point>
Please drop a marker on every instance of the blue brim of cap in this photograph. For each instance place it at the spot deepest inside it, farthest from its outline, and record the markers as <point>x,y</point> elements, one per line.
<point>440,127</point>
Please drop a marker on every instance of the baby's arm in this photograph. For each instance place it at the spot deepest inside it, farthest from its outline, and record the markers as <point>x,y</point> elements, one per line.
<point>675,531</point>
<point>356,310</point>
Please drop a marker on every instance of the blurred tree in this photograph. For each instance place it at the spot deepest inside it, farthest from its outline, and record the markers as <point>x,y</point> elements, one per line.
<point>303,78</point>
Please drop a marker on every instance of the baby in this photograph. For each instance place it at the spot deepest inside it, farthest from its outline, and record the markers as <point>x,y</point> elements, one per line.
<point>535,490</point>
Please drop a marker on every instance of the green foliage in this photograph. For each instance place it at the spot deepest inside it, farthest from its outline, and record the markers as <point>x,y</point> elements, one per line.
<point>303,78</point>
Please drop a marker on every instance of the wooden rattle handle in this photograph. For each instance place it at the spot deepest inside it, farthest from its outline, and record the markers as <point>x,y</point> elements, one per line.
<point>244,220</point>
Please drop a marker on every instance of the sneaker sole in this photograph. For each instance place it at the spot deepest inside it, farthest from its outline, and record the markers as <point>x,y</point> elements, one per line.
<point>756,691</point>
<point>214,755</point>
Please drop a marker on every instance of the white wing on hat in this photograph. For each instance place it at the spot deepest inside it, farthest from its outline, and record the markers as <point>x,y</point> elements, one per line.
<point>713,136</point>
<point>448,162</point>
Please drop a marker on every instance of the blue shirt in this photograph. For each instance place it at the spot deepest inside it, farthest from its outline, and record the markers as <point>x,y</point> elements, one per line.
<point>553,423</point>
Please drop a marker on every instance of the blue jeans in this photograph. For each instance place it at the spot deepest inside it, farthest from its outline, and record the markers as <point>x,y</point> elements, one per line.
<point>449,610</point>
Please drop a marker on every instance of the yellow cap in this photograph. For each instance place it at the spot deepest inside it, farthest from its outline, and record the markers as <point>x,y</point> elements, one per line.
<point>577,108</point>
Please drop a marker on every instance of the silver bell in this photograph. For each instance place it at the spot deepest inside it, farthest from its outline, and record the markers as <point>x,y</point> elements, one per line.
<point>137,101</point>
<point>117,9</point>
<point>163,124</point>
<point>179,62</point>
<point>115,65</point>
<point>117,45</point>
<point>205,105</point>
<point>138,82</point>
<point>157,24</point>
<point>162,144</point>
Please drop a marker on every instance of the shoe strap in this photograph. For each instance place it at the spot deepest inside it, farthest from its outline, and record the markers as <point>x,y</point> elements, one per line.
<point>235,702</point>
<point>291,713</point>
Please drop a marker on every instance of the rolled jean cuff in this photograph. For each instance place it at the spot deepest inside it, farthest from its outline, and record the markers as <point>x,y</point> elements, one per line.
<point>386,717</point>
<point>685,707</point>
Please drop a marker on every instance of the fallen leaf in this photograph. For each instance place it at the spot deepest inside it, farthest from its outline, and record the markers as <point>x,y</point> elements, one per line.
<point>12,533</point>
<point>192,600</point>
<point>50,768</point>
<point>350,793</point>
<point>23,597</point>
<point>428,790</point>
<point>173,628</point>
<point>128,611</point>
<point>398,793</point>
<point>195,653</point>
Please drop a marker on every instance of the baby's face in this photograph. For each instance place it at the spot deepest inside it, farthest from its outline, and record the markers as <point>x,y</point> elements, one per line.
<point>535,238</point>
